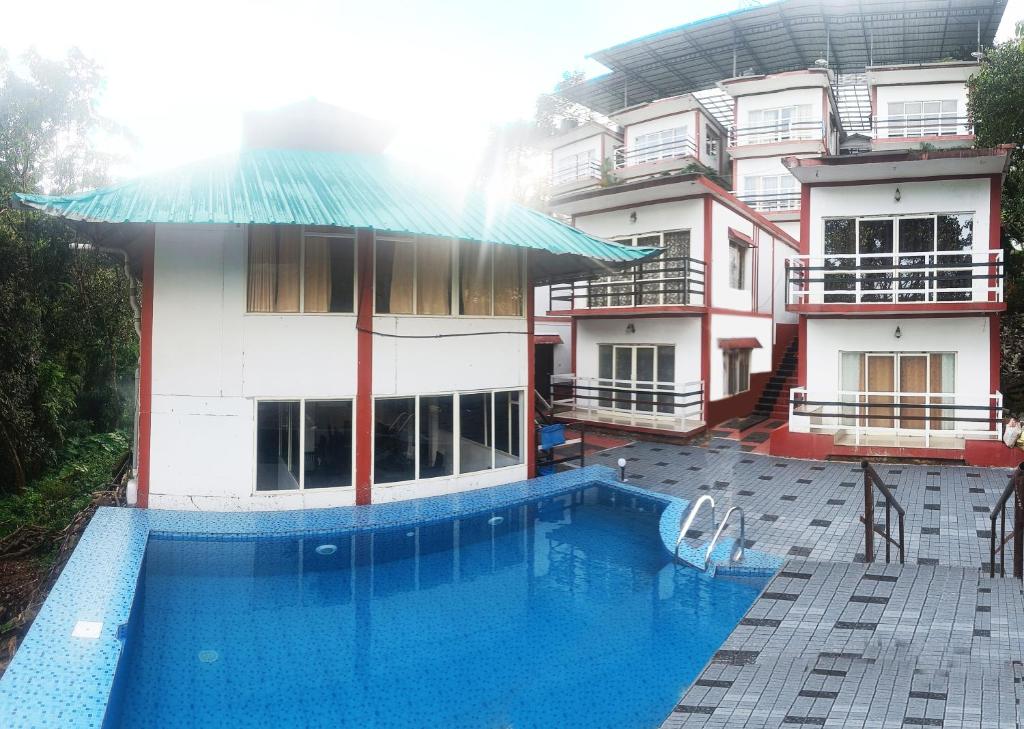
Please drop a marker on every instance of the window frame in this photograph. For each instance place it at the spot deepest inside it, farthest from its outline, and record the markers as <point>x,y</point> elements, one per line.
<point>941,123</point>
<point>662,148</point>
<point>302,445</point>
<point>312,232</point>
<point>456,435</point>
<point>730,356</point>
<point>454,305</point>
<point>743,248</point>
<point>634,382</point>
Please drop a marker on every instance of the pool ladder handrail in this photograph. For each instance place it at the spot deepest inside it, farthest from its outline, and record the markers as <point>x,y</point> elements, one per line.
<point>691,515</point>
<point>737,552</point>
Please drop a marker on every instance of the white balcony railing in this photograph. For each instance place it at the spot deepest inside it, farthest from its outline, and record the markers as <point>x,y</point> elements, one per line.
<point>925,419</point>
<point>896,278</point>
<point>785,131</point>
<point>771,202</point>
<point>921,125</point>
<point>682,148</point>
<point>659,405</point>
<point>581,171</point>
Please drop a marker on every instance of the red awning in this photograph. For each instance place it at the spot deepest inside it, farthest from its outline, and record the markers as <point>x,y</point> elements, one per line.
<point>739,343</point>
<point>741,238</point>
<point>547,339</point>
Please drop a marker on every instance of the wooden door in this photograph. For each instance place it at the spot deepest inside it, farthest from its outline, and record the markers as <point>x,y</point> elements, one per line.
<point>881,379</point>
<point>913,378</point>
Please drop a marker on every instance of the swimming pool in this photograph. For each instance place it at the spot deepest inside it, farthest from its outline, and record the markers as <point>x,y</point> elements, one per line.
<point>561,612</point>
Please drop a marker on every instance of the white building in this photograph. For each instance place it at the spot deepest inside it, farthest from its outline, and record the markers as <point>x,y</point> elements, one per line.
<point>319,328</point>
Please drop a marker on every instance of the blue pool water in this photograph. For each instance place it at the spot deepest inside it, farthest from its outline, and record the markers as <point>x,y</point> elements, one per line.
<point>561,613</point>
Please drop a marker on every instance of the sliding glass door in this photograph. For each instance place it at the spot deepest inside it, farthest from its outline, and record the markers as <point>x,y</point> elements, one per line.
<point>899,390</point>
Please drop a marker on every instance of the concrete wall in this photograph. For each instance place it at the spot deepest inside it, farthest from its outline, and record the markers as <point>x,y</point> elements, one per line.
<point>730,326</point>
<point>212,361</point>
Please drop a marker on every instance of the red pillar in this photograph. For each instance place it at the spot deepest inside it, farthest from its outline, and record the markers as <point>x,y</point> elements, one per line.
<point>531,398</point>
<point>146,370</point>
<point>705,321</point>
<point>364,367</point>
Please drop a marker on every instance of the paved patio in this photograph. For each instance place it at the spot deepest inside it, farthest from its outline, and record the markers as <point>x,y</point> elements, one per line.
<point>834,642</point>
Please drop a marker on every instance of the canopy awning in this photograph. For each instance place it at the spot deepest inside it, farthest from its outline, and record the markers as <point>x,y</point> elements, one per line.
<point>739,343</point>
<point>547,339</point>
<point>300,187</point>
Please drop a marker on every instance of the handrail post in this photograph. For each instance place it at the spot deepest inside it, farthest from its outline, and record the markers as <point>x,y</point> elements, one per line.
<point>888,543</point>
<point>869,517</point>
<point>1002,541</point>
<point>1018,536</point>
<point>992,546</point>
<point>902,552</point>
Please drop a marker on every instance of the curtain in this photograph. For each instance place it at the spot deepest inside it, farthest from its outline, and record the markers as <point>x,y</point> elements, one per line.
<point>433,276</point>
<point>475,272</point>
<point>508,282</point>
<point>318,275</point>
<point>403,267</point>
<point>288,255</point>
<point>262,268</point>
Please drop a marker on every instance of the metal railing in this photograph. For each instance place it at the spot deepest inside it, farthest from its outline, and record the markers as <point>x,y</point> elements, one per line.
<point>767,202</point>
<point>691,515</point>
<point>1017,535</point>
<point>581,171</point>
<point>666,405</point>
<point>871,481</point>
<point>737,551</point>
<point>662,282</point>
<point>676,149</point>
<point>926,415</point>
<point>895,278</point>
<point>921,125</point>
<point>786,131</point>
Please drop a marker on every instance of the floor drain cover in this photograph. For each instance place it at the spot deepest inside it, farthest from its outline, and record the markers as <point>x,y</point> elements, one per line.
<point>326,549</point>
<point>208,656</point>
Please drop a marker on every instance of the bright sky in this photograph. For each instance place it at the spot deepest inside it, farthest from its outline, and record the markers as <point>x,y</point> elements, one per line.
<point>181,74</point>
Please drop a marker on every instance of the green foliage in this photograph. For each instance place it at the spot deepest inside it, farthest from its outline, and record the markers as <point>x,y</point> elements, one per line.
<point>68,348</point>
<point>86,465</point>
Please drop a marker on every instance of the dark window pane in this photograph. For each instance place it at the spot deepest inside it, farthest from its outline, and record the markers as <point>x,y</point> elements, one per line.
<point>956,233</point>
<point>840,240</point>
<point>329,271</point>
<point>604,371</point>
<point>394,444</point>
<point>475,432</point>
<point>277,446</point>
<point>328,444</point>
<point>917,235</point>
<point>666,374</point>
<point>876,237</point>
<point>508,413</point>
<point>437,449</point>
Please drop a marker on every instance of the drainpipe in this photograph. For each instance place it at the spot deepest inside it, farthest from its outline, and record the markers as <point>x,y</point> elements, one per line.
<point>132,487</point>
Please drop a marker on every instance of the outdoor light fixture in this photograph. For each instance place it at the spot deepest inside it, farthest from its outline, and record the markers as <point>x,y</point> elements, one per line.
<point>898,333</point>
<point>632,216</point>
<point>622,470</point>
<point>897,195</point>
<point>630,329</point>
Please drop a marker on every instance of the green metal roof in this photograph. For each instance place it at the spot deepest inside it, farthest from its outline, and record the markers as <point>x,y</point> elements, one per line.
<point>296,187</point>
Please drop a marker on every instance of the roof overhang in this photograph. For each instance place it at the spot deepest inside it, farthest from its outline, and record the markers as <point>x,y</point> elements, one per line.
<point>785,36</point>
<point>920,73</point>
<point>739,343</point>
<point>894,166</point>
<point>766,84</point>
<point>660,108</point>
<point>663,189</point>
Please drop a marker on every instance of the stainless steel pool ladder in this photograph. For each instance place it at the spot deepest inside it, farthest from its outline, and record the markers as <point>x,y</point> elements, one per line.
<point>737,552</point>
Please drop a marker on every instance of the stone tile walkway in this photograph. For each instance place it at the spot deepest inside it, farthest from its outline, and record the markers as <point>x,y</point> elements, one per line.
<point>834,642</point>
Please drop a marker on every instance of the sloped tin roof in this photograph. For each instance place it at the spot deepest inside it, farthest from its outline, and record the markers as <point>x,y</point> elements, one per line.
<point>297,187</point>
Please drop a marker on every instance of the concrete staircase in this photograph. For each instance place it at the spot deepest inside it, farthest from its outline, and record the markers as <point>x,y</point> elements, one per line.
<point>774,400</point>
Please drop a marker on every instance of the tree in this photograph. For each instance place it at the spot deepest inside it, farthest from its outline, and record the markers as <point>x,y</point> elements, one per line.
<point>68,345</point>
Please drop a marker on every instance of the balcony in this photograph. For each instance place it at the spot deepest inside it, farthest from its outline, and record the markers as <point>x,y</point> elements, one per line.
<point>668,406</point>
<point>936,281</point>
<point>790,137</point>
<point>654,159</point>
<point>576,177</point>
<point>771,202</point>
<point>664,284</point>
<point>940,130</point>
<point>897,419</point>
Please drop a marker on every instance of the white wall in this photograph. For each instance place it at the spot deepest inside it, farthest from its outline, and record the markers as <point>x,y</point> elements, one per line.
<point>781,253</point>
<point>730,326</point>
<point>777,99</point>
<point>680,215</point>
<point>722,294</point>
<point>921,92</point>
<point>682,332</point>
<point>212,361</point>
<point>583,145</point>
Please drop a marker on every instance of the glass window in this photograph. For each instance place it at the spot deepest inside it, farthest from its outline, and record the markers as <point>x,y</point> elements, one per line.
<point>328,444</point>
<point>277,446</point>
<point>475,272</point>
<point>508,447</point>
<point>508,282</point>
<point>274,253</point>
<point>737,371</point>
<point>329,282</point>
<point>663,144</point>
<point>433,276</point>
<point>394,274</point>
<point>437,436</point>
<point>475,453</point>
<point>737,265</point>
<point>394,439</point>
<point>875,246</point>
